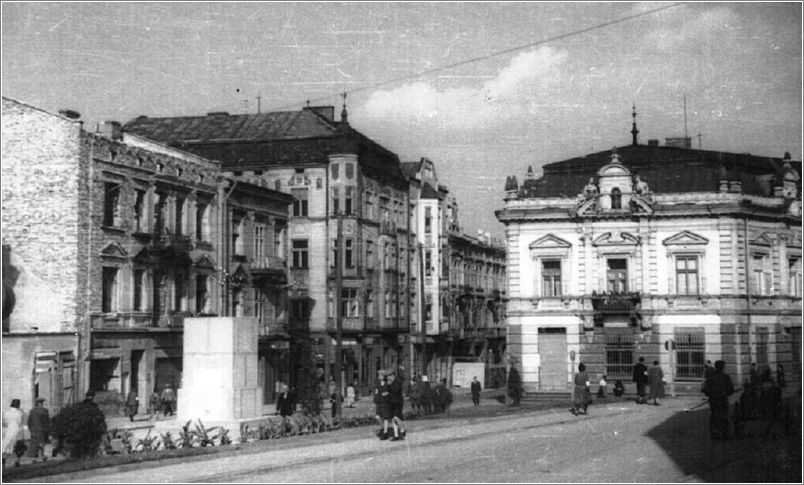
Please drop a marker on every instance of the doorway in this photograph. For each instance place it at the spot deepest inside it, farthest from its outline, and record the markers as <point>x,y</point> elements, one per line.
<point>553,353</point>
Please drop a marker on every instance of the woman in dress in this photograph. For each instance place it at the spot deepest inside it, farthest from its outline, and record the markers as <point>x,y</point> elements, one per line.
<point>581,391</point>
<point>655,376</point>
<point>12,430</point>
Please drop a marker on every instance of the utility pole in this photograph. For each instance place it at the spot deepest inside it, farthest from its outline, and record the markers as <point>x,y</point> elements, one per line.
<point>422,311</point>
<point>338,318</point>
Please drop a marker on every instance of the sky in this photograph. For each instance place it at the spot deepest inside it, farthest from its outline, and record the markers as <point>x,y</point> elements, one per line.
<point>485,90</point>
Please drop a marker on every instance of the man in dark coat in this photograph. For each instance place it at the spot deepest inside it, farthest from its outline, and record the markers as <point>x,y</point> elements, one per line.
<point>397,400</point>
<point>641,379</point>
<point>168,398</point>
<point>475,391</point>
<point>132,404</point>
<point>718,388</point>
<point>286,403</point>
<point>39,426</point>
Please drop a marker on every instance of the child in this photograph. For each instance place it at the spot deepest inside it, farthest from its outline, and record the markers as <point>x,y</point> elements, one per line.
<point>601,389</point>
<point>619,389</point>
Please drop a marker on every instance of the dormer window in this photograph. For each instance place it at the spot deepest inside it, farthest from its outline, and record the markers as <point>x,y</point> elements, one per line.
<point>616,199</point>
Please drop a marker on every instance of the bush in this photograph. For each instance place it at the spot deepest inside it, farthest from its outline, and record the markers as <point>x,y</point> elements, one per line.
<point>80,429</point>
<point>308,391</point>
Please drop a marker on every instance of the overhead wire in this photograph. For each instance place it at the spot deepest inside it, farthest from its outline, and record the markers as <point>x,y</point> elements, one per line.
<point>487,56</point>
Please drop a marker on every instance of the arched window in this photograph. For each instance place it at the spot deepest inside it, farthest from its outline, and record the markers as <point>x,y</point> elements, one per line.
<point>616,198</point>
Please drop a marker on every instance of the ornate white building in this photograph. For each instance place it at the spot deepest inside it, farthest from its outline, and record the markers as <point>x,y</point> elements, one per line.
<point>667,253</point>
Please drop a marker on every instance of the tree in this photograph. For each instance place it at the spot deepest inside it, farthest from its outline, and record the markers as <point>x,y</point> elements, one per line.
<point>307,385</point>
<point>514,386</point>
<point>80,428</point>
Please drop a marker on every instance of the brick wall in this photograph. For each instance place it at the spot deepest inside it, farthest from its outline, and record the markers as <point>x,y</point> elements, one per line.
<point>42,203</point>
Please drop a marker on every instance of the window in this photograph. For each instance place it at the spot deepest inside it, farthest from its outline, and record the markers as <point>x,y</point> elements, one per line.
<point>300,202</point>
<point>111,210</point>
<point>428,263</point>
<point>369,210</point>
<point>140,223</point>
<point>761,278</point>
<point>279,241</point>
<point>387,304</point>
<point>334,171</point>
<point>109,290</point>
<point>237,241</point>
<point>259,307</point>
<point>237,304</point>
<point>687,275</point>
<point>349,303</point>
<point>616,198</point>
<point>617,275</point>
<point>298,310</point>
<point>428,220</point>
<point>689,352</point>
<point>179,215</point>
<point>348,253</point>
<point>201,293</point>
<point>551,278</point>
<point>140,289</point>
<point>369,253</point>
<point>336,200</point>
<point>350,171</point>
<point>762,347</point>
<point>300,256</point>
<point>160,212</point>
<point>180,294</point>
<point>348,200</point>
<point>369,304</point>
<point>201,220</point>
<point>259,243</point>
<point>794,275</point>
<point>619,354</point>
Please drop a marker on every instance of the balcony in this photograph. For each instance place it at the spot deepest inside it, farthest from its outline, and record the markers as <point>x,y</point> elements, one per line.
<point>269,268</point>
<point>175,242</point>
<point>388,228</point>
<point>616,303</point>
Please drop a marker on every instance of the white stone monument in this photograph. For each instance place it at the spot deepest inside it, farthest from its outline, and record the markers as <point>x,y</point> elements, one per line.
<point>220,377</point>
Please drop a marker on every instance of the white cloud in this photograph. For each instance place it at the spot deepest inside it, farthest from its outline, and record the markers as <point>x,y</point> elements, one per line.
<point>524,79</point>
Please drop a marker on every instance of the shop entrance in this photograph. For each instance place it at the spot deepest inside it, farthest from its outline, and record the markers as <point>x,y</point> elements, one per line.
<point>553,354</point>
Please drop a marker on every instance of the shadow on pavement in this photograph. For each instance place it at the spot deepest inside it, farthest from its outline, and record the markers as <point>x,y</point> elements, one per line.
<point>752,458</point>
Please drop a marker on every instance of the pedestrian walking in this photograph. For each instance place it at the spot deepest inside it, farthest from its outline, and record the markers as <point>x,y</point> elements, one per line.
<point>384,407</point>
<point>415,393</point>
<point>12,430</point>
<point>156,403</point>
<point>780,381</point>
<point>641,378</point>
<point>655,378</point>
<point>707,372</point>
<point>426,395</point>
<point>718,388</point>
<point>476,388</point>
<point>132,404</point>
<point>168,398</point>
<point>39,427</point>
<point>286,402</point>
<point>581,395</point>
<point>397,401</point>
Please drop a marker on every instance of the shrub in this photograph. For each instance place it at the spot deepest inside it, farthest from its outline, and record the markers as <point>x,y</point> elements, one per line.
<point>308,390</point>
<point>80,428</point>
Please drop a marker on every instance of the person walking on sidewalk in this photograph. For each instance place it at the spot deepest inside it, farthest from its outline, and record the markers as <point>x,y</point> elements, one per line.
<point>156,404</point>
<point>397,401</point>
<point>132,404</point>
<point>655,377</point>
<point>641,379</point>
<point>12,430</point>
<point>168,398</point>
<point>581,391</point>
<point>384,406</point>
<point>475,391</point>
<point>718,388</point>
<point>39,426</point>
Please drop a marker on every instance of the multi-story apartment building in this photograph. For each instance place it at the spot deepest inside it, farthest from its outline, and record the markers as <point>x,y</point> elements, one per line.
<point>662,252</point>
<point>122,238</point>
<point>344,186</point>
<point>463,282</point>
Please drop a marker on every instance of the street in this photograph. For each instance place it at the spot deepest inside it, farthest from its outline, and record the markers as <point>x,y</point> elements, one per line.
<point>616,442</point>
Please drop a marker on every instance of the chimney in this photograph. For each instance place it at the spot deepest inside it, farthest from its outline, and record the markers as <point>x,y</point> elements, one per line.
<point>111,130</point>
<point>326,112</point>
<point>653,142</point>
<point>68,113</point>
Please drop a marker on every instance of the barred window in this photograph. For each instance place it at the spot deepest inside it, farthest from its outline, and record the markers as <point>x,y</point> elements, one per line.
<point>619,354</point>
<point>762,347</point>
<point>689,353</point>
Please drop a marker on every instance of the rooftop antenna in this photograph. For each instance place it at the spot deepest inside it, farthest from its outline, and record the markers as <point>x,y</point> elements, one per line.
<point>343,111</point>
<point>686,138</point>
<point>634,131</point>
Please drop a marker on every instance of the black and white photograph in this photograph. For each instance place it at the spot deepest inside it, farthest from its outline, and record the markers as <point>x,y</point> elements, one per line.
<point>401,242</point>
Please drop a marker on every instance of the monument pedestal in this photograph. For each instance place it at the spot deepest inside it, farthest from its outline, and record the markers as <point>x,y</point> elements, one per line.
<point>220,376</point>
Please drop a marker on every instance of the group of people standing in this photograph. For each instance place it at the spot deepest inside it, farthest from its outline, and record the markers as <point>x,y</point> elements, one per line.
<point>427,399</point>
<point>38,425</point>
<point>644,377</point>
<point>389,399</point>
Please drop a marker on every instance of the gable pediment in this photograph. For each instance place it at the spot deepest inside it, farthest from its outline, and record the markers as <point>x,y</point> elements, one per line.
<point>616,239</point>
<point>762,240</point>
<point>685,238</point>
<point>114,251</point>
<point>549,241</point>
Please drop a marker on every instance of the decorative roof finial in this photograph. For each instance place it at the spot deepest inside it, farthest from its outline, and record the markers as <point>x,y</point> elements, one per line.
<point>344,114</point>
<point>634,131</point>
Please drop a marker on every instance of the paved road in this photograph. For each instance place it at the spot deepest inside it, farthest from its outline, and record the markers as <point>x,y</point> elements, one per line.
<point>617,442</point>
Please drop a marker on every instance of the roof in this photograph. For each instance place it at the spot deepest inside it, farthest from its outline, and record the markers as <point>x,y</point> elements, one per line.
<point>410,169</point>
<point>280,125</point>
<point>665,169</point>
